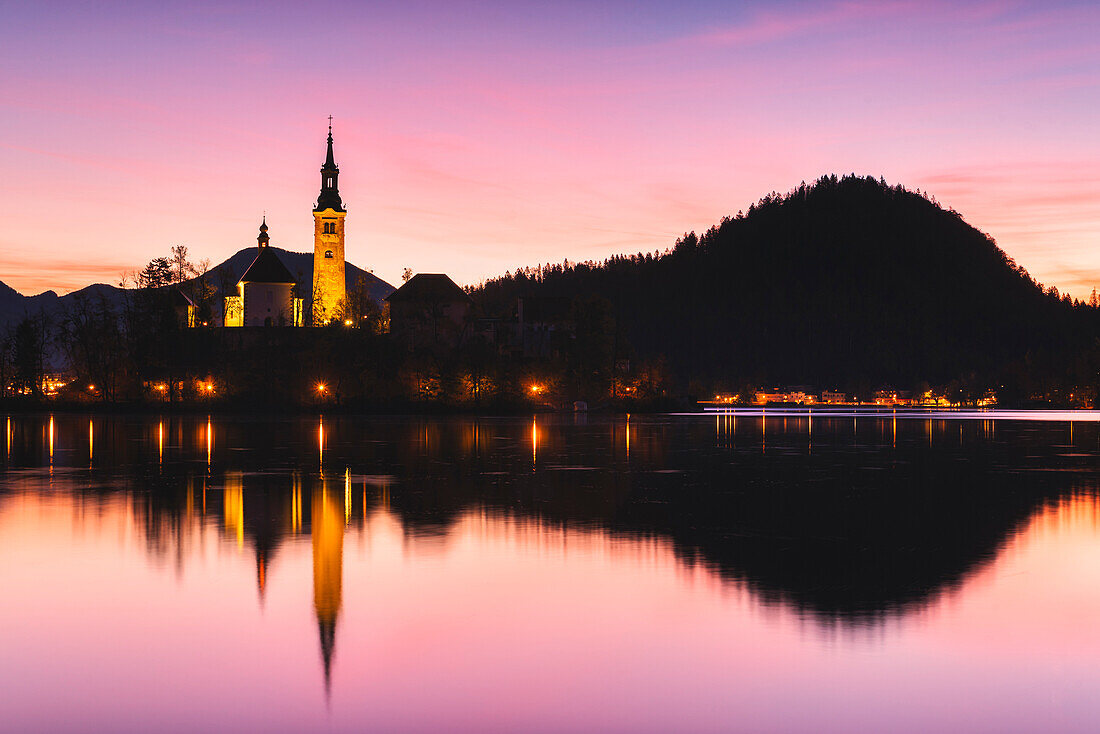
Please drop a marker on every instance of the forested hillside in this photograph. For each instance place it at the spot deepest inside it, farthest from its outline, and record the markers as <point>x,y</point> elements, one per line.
<point>846,282</point>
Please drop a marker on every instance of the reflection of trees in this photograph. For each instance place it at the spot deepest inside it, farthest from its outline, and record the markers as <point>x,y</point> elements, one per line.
<point>850,534</point>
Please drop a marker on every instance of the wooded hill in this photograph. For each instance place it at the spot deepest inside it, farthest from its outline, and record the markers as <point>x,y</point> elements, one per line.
<point>847,283</point>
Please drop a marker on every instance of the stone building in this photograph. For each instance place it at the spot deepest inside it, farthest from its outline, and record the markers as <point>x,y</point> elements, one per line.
<point>429,310</point>
<point>265,293</point>
<point>329,286</point>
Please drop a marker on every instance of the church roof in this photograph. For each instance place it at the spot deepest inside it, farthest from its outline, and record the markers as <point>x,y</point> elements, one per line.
<point>267,268</point>
<point>179,298</point>
<point>330,172</point>
<point>429,288</point>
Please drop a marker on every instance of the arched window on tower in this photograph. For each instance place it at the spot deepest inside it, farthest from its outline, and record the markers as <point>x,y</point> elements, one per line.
<point>328,253</point>
<point>329,184</point>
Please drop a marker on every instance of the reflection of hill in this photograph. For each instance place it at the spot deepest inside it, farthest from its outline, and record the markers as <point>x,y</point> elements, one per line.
<point>837,533</point>
<point>862,525</point>
<point>853,545</point>
<point>849,546</point>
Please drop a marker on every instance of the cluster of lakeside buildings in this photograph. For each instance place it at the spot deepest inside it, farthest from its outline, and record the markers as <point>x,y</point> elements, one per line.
<point>804,395</point>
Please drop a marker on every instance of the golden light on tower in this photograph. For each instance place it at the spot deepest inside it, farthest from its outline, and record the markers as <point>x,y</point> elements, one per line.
<point>329,285</point>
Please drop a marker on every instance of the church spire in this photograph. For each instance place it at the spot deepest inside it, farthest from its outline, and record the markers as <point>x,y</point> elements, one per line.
<point>262,240</point>
<point>330,162</point>
<point>330,174</point>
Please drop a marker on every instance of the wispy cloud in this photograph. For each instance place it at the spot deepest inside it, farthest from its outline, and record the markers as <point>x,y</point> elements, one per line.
<point>773,24</point>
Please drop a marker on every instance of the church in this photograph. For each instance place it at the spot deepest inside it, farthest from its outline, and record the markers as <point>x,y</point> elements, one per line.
<point>267,293</point>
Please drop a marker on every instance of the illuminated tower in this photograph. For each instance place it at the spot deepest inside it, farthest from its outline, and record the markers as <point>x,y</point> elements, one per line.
<point>327,529</point>
<point>328,243</point>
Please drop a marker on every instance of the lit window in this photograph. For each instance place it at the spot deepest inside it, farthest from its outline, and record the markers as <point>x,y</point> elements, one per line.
<point>328,253</point>
<point>329,184</point>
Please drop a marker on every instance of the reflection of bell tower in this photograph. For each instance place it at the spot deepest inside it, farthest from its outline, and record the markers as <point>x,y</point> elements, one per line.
<point>328,242</point>
<point>328,554</point>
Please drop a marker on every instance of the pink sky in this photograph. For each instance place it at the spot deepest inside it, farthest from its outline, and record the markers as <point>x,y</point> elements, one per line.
<point>477,138</point>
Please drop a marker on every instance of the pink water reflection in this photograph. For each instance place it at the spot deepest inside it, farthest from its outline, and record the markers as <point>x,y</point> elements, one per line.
<point>500,623</point>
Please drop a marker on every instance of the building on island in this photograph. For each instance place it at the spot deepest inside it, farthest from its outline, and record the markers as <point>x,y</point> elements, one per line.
<point>185,308</point>
<point>265,293</point>
<point>429,310</point>
<point>329,286</point>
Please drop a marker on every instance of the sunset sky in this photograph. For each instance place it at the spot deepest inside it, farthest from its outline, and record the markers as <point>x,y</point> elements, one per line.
<point>474,138</point>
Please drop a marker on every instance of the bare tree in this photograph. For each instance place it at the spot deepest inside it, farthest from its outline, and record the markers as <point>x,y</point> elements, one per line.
<point>182,268</point>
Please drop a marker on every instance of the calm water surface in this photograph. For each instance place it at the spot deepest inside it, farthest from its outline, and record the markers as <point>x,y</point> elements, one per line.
<point>684,573</point>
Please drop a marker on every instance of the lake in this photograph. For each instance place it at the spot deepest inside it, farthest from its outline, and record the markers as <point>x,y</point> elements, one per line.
<point>784,572</point>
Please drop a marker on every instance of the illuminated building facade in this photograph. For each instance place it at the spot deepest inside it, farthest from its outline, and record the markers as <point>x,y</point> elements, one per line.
<point>265,293</point>
<point>329,286</point>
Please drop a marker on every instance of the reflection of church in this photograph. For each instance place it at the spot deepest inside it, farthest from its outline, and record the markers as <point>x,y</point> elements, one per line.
<point>328,564</point>
<point>267,293</point>
<point>270,518</point>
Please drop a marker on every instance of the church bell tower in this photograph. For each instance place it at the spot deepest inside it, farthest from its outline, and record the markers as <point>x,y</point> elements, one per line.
<point>328,243</point>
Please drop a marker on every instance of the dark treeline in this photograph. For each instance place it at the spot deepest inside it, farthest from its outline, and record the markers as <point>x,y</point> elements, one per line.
<point>847,283</point>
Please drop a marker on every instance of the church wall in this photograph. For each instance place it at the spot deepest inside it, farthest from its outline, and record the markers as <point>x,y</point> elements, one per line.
<point>264,301</point>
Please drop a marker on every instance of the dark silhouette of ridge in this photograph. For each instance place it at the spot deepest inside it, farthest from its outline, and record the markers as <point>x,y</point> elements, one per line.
<point>846,282</point>
<point>14,305</point>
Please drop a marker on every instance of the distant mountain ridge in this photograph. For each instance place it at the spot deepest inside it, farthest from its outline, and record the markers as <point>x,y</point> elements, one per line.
<point>14,305</point>
<point>300,264</point>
